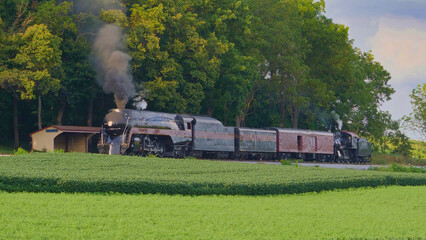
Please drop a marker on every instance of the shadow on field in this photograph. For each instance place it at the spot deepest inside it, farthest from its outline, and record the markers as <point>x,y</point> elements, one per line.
<point>22,184</point>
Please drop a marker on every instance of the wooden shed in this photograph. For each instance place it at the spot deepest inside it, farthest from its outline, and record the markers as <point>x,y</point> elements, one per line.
<point>67,138</point>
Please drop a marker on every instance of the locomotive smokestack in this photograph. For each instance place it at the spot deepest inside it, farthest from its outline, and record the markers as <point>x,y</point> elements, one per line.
<point>112,64</point>
<point>121,103</point>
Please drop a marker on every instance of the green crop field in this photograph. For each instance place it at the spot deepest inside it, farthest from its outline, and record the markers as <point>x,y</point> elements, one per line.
<point>386,212</point>
<point>82,196</point>
<point>73,172</point>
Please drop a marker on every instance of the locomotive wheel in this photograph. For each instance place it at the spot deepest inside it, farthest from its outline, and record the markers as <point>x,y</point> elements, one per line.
<point>154,146</point>
<point>180,153</point>
<point>183,153</point>
<point>161,149</point>
<point>198,154</point>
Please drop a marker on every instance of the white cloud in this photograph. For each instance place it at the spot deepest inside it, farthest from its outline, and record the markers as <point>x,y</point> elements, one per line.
<point>400,46</point>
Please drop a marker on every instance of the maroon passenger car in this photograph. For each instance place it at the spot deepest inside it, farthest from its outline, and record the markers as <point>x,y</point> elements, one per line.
<point>305,144</point>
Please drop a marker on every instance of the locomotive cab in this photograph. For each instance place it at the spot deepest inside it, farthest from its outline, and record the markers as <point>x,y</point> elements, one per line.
<point>349,140</point>
<point>184,122</point>
<point>349,147</point>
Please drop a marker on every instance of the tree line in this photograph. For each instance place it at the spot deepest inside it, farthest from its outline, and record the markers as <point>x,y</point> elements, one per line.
<point>245,62</point>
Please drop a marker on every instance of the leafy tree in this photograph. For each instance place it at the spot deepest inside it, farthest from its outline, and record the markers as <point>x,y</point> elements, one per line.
<point>400,142</point>
<point>163,96</point>
<point>232,23</point>
<point>146,24</point>
<point>284,49</point>
<point>39,56</point>
<point>9,42</point>
<point>56,17</point>
<point>79,88</point>
<point>416,120</point>
<point>114,16</point>
<point>180,54</point>
<point>329,60</point>
<point>17,14</point>
<point>350,82</point>
<point>248,63</point>
<point>76,73</point>
<point>370,90</point>
<point>10,80</point>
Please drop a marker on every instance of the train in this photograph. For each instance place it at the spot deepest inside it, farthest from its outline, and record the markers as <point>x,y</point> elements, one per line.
<point>143,133</point>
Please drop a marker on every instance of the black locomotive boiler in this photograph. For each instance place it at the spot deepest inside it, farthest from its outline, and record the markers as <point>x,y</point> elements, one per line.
<point>126,131</point>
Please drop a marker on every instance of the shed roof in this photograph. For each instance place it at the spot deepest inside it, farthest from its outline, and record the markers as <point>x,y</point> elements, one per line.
<point>73,129</point>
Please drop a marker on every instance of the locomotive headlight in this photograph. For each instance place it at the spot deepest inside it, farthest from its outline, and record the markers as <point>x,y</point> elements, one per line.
<point>109,123</point>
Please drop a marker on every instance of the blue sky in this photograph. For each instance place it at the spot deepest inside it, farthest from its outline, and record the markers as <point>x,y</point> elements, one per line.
<point>395,32</point>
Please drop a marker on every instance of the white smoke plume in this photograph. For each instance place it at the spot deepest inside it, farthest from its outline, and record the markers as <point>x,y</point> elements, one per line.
<point>112,63</point>
<point>337,119</point>
<point>141,105</point>
<point>139,101</point>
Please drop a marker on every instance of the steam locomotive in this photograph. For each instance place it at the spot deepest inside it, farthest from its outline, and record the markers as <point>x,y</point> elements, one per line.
<point>126,131</point>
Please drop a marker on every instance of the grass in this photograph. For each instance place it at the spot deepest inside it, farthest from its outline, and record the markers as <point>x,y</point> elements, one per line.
<point>418,155</point>
<point>388,158</point>
<point>381,213</point>
<point>199,205</point>
<point>74,172</point>
<point>399,168</point>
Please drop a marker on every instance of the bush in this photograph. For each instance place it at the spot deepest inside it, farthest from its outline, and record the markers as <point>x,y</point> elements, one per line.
<point>399,168</point>
<point>285,162</point>
<point>19,151</point>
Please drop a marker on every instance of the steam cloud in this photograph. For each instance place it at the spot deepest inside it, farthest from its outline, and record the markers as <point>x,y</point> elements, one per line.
<point>141,105</point>
<point>112,63</point>
<point>338,120</point>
